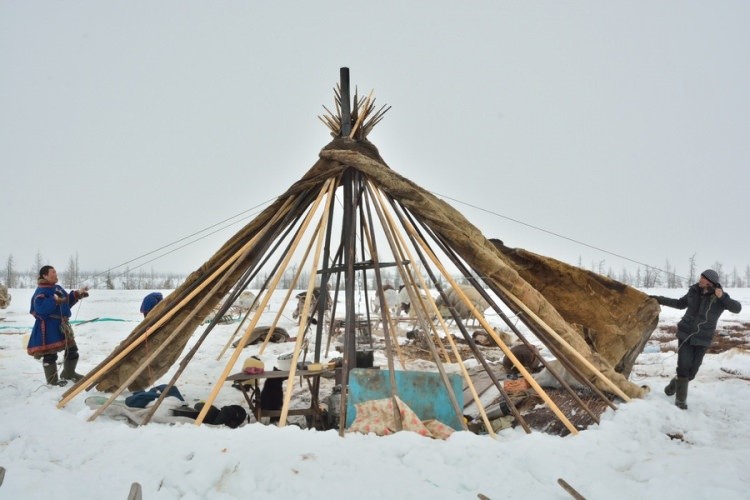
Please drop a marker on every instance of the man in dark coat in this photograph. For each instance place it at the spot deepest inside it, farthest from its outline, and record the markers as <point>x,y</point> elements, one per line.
<point>52,333</point>
<point>704,301</point>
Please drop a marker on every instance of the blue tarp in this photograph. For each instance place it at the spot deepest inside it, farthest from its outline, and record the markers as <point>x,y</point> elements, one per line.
<point>423,392</point>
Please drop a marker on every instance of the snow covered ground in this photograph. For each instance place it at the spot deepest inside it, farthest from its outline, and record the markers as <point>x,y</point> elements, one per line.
<point>647,448</point>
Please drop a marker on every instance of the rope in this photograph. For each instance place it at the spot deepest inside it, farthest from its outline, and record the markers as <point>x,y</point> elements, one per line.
<point>183,239</point>
<point>593,247</point>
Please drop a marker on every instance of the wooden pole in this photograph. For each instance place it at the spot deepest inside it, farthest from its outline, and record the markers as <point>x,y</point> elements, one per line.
<point>348,243</point>
<point>419,304</point>
<point>233,359</point>
<point>295,279</point>
<point>263,289</point>
<point>385,315</point>
<point>554,348</point>
<point>346,110</point>
<point>422,315</point>
<point>388,228</point>
<point>166,342</point>
<point>167,316</point>
<point>308,299</point>
<point>387,324</point>
<point>616,390</point>
<point>522,370</point>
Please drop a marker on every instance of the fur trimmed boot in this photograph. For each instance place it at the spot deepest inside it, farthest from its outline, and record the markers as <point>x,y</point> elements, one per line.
<point>69,370</point>
<point>681,391</point>
<point>50,374</point>
<point>671,388</point>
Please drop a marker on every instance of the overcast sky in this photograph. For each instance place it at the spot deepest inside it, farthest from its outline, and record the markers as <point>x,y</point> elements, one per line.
<point>125,126</point>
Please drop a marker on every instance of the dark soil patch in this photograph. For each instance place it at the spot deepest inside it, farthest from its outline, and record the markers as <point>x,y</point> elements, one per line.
<point>541,418</point>
<point>728,336</point>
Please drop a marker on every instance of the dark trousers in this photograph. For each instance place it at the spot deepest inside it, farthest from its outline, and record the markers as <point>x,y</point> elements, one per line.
<point>689,359</point>
<point>71,353</point>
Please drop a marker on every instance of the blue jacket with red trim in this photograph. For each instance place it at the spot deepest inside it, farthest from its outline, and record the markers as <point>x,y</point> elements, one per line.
<point>46,336</point>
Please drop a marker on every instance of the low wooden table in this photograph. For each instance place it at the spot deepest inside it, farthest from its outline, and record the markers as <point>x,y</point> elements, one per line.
<point>248,384</point>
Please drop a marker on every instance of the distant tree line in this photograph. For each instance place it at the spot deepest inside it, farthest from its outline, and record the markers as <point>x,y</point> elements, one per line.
<point>139,279</point>
<point>668,277</point>
<point>72,276</point>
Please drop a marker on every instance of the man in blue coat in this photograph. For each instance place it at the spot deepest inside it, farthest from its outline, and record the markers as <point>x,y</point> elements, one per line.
<point>704,301</point>
<point>52,333</point>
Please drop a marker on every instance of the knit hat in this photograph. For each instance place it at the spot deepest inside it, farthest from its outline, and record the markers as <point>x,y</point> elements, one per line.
<point>711,276</point>
<point>253,365</point>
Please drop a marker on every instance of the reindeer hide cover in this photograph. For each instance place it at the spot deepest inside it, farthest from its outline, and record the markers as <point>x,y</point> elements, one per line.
<point>171,323</point>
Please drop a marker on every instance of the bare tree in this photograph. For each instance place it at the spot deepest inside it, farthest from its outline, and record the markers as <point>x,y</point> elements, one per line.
<point>39,263</point>
<point>108,282</point>
<point>735,278</point>
<point>70,277</point>
<point>625,277</point>
<point>611,274</point>
<point>692,269</point>
<point>720,271</point>
<point>673,281</point>
<point>129,283</point>
<point>10,273</point>
<point>651,278</point>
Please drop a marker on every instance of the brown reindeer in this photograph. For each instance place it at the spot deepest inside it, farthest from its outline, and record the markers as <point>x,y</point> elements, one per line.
<point>313,311</point>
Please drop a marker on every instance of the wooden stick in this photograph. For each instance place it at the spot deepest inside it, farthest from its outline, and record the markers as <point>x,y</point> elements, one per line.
<point>616,390</point>
<point>570,489</point>
<point>389,326</point>
<point>153,355</point>
<point>526,375</point>
<point>308,300</point>
<point>535,329</point>
<point>456,353</point>
<point>267,338</point>
<point>420,304</point>
<point>424,320</point>
<point>233,359</point>
<point>361,116</point>
<point>387,223</point>
<point>295,279</point>
<point>385,313</point>
<point>166,317</point>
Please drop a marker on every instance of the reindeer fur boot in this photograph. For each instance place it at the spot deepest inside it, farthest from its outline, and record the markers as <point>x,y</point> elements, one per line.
<point>50,374</point>
<point>69,370</point>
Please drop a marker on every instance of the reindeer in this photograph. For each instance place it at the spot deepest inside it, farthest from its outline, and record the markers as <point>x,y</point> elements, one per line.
<point>462,309</point>
<point>313,311</point>
<point>392,300</point>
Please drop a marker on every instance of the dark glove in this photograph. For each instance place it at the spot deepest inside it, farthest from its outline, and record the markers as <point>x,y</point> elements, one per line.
<point>82,293</point>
